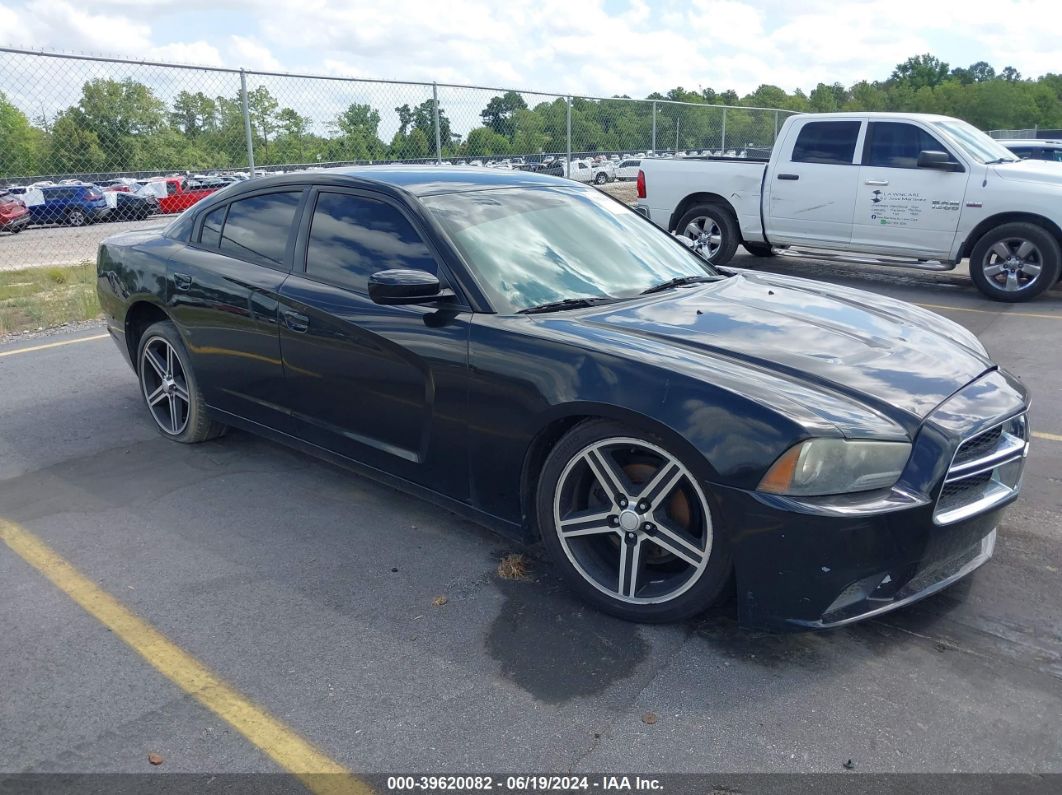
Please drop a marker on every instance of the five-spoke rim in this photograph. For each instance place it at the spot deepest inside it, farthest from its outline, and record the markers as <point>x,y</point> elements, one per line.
<point>1013,264</point>
<point>706,234</point>
<point>165,385</point>
<point>633,521</point>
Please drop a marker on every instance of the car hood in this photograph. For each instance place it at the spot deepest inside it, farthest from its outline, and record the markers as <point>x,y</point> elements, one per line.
<point>1041,171</point>
<point>884,353</point>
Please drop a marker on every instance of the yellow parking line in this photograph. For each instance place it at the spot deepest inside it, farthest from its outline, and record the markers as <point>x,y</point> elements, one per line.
<point>1051,437</point>
<point>318,773</point>
<point>53,345</point>
<point>989,312</point>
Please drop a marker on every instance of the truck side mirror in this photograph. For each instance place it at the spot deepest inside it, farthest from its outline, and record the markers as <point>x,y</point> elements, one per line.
<point>939,160</point>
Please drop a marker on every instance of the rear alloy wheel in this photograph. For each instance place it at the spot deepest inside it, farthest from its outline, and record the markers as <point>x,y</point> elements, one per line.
<point>76,218</point>
<point>630,526</point>
<point>713,231</point>
<point>169,387</point>
<point>1015,262</point>
<point>601,178</point>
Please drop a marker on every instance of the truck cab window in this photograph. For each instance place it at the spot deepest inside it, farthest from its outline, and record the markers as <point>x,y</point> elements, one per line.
<point>897,145</point>
<point>831,142</point>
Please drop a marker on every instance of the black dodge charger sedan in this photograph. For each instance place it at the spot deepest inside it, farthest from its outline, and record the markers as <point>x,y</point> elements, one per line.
<point>533,354</point>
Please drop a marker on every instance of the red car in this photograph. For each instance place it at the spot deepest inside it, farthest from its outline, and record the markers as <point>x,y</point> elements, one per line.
<point>14,215</point>
<point>182,194</point>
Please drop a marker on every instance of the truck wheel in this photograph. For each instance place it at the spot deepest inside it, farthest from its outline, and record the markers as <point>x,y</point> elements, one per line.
<point>1015,262</point>
<point>759,249</point>
<point>712,229</point>
<point>601,178</point>
<point>76,218</point>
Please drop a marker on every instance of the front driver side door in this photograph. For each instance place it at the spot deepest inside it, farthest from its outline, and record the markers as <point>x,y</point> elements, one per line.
<point>383,385</point>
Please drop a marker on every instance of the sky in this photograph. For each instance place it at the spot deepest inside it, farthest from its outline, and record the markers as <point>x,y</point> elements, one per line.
<point>590,47</point>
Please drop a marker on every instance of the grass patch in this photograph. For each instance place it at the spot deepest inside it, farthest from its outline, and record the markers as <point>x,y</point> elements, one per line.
<point>514,567</point>
<point>34,298</point>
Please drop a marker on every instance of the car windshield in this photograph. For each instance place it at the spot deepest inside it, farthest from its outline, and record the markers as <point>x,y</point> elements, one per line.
<point>975,143</point>
<point>533,246</point>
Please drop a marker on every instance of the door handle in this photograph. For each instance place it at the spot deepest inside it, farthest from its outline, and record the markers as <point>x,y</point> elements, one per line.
<point>881,182</point>
<point>788,176</point>
<point>296,322</point>
<point>182,281</point>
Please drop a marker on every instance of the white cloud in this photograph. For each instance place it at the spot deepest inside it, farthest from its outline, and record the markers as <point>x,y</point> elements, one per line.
<point>587,47</point>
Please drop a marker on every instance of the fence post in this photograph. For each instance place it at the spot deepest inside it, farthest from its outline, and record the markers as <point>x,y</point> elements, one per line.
<point>722,144</point>
<point>247,122</point>
<point>438,127</point>
<point>654,125</point>
<point>568,167</point>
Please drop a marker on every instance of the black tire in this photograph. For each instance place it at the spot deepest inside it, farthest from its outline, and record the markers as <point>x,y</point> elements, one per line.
<point>601,178</point>
<point>188,423</point>
<point>76,217</point>
<point>596,559</point>
<point>705,217</point>
<point>759,249</point>
<point>1008,278</point>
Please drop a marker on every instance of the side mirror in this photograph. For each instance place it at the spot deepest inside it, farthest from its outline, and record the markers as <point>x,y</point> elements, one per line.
<point>939,160</point>
<point>404,286</point>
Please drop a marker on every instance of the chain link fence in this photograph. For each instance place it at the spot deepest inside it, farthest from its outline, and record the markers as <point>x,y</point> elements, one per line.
<point>91,145</point>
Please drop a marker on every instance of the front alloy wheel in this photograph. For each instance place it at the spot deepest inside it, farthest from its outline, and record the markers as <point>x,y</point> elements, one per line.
<point>1015,262</point>
<point>632,528</point>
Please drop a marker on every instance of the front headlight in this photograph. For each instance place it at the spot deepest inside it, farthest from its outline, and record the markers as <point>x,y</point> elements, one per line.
<point>836,466</point>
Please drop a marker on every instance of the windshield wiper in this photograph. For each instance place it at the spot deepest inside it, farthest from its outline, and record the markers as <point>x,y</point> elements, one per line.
<point>1002,160</point>
<point>567,303</point>
<point>680,281</point>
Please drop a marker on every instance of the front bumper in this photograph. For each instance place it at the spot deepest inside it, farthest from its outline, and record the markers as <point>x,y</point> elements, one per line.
<point>827,562</point>
<point>801,571</point>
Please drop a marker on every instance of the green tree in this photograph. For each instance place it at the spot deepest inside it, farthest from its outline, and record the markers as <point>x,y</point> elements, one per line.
<point>20,142</point>
<point>194,114</point>
<point>500,113</point>
<point>920,71</point>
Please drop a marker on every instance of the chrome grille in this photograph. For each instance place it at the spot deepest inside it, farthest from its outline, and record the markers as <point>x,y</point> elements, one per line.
<point>985,471</point>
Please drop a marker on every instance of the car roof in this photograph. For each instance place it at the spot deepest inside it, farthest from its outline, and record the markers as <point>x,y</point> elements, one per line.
<point>417,180</point>
<point>1030,142</point>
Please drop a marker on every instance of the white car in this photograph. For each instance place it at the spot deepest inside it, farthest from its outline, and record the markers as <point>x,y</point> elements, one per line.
<point>1035,149</point>
<point>907,189</point>
<point>627,170</point>
<point>602,172</point>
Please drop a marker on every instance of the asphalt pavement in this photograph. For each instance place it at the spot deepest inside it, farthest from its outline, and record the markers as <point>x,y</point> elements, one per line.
<point>313,594</point>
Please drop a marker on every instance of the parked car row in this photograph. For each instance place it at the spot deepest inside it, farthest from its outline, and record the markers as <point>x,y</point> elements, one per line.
<point>76,203</point>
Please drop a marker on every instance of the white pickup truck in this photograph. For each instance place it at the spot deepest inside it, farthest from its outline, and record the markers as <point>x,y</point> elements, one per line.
<point>885,188</point>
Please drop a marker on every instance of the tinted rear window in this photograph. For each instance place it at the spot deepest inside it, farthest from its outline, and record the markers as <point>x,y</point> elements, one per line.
<point>831,142</point>
<point>258,228</point>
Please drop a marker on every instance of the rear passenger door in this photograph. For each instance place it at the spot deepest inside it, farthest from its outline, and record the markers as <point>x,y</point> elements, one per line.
<point>224,289</point>
<point>384,385</point>
<point>903,209</point>
<point>812,184</point>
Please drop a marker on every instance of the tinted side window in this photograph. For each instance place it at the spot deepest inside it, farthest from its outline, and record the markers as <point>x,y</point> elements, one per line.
<point>352,237</point>
<point>896,145</point>
<point>210,235</point>
<point>258,228</point>
<point>826,142</point>
<point>1023,151</point>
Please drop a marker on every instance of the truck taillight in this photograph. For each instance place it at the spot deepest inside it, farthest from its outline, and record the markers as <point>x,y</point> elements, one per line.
<point>93,196</point>
<point>641,184</point>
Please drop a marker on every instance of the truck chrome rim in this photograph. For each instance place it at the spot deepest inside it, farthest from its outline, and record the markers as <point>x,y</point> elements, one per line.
<point>1013,264</point>
<point>165,386</point>
<point>633,521</point>
<point>706,235</point>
